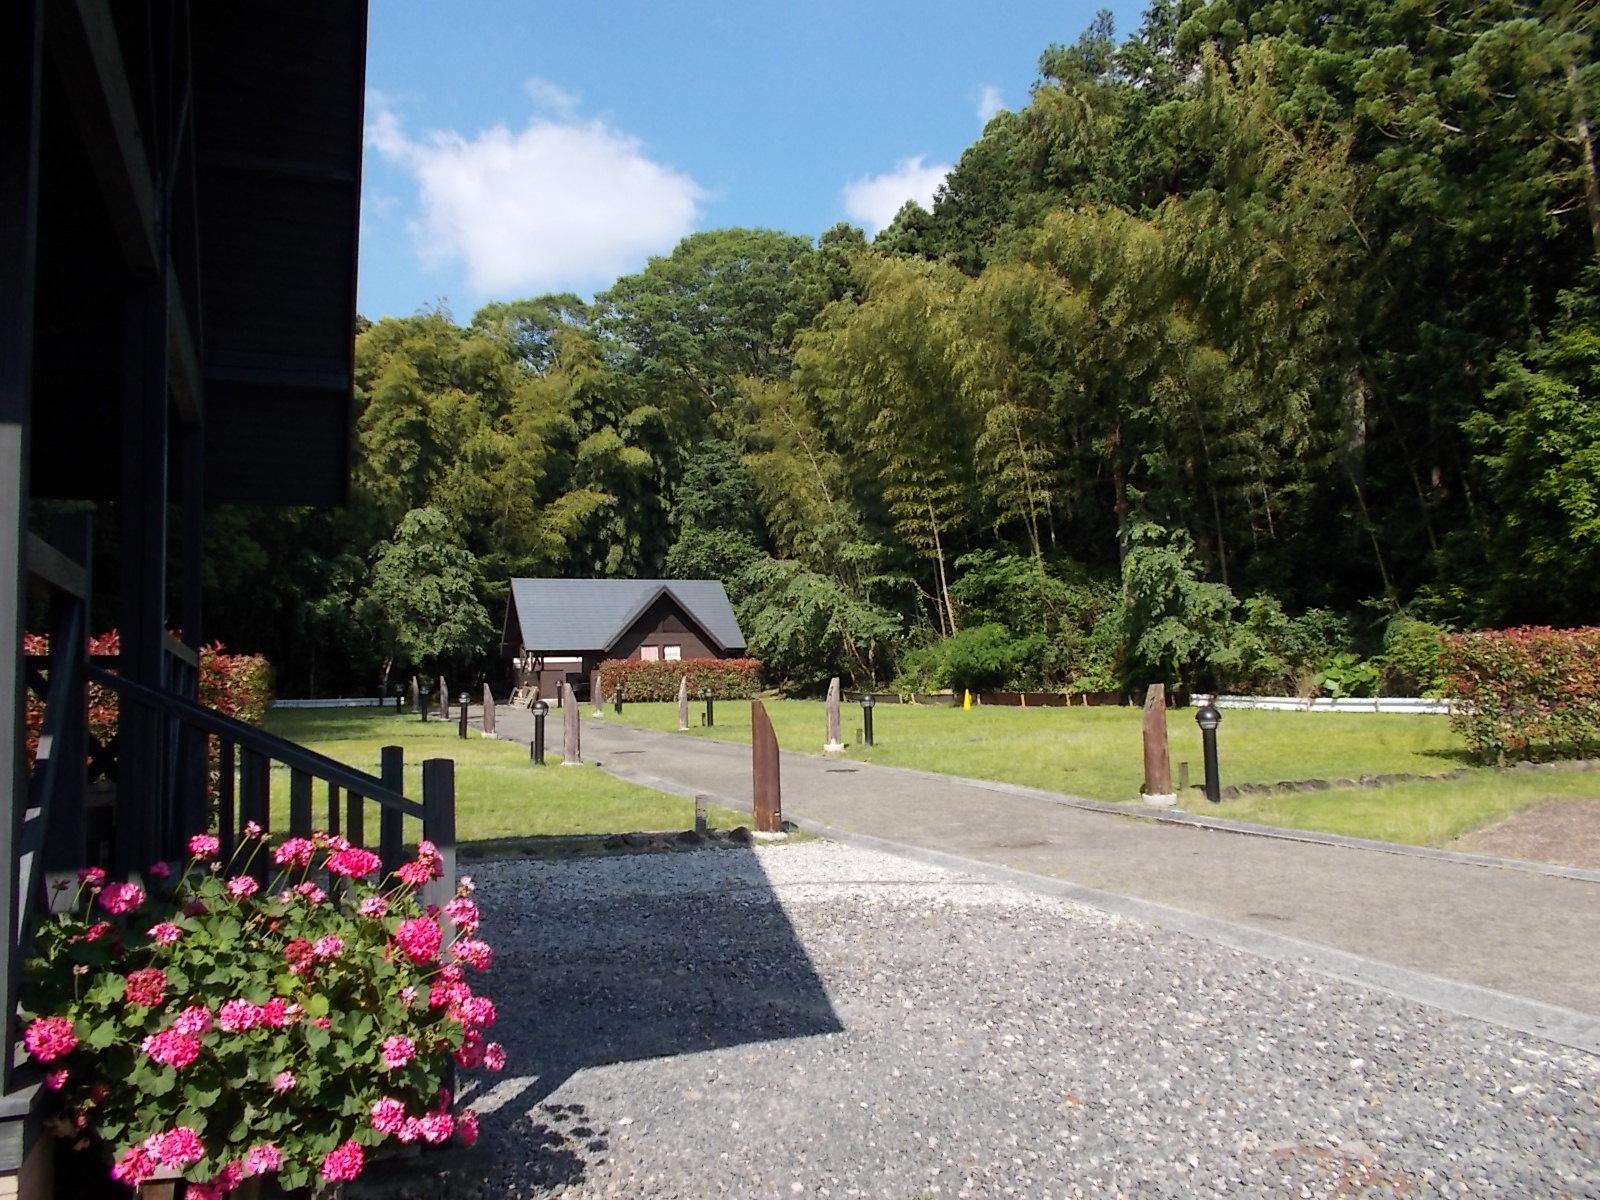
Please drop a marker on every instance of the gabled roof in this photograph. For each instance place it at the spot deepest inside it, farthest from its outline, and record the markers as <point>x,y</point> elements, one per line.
<point>591,614</point>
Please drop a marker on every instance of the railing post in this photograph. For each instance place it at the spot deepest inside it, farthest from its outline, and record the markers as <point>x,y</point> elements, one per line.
<point>300,803</point>
<point>225,784</point>
<point>333,808</point>
<point>439,824</point>
<point>255,795</point>
<point>391,828</point>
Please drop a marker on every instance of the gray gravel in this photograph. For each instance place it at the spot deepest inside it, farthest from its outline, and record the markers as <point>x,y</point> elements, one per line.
<point>817,1020</point>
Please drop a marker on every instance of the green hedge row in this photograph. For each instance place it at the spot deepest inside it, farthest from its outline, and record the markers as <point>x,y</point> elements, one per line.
<point>1525,691</point>
<point>728,678</point>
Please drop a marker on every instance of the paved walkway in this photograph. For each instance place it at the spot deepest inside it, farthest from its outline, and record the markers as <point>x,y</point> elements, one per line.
<point>1518,933</point>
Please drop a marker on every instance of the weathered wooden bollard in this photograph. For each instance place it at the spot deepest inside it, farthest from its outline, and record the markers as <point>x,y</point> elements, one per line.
<point>571,754</point>
<point>767,787</point>
<point>683,703</point>
<point>835,741</point>
<point>444,699</point>
<point>596,698</point>
<point>411,695</point>
<point>488,711</point>
<point>1157,765</point>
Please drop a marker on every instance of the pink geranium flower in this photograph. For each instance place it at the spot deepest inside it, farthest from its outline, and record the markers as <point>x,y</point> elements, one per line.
<point>160,870</point>
<point>389,1115</point>
<point>343,1163</point>
<point>56,1080</point>
<point>176,1148</point>
<point>92,877</point>
<point>328,947</point>
<point>195,1019</point>
<point>436,1127</point>
<point>494,1056</point>
<point>398,1051</point>
<point>165,933</point>
<point>239,1016</point>
<point>476,954</point>
<point>97,931</point>
<point>296,852</point>
<point>375,907</point>
<point>50,1038</point>
<point>134,1167</point>
<point>262,1159</point>
<point>119,898</point>
<point>283,1081</point>
<point>204,845</point>
<point>278,1012</point>
<point>464,913</point>
<point>146,987</point>
<point>173,1048</point>
<point>467,1128</point>
<point>353,862</point>
<point>310,891</point>
<point>241,886</point>
<point>420,938</point>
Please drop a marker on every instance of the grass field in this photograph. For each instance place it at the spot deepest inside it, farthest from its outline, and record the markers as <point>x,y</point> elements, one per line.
<point>499,793</point>
<point>1095,753</point>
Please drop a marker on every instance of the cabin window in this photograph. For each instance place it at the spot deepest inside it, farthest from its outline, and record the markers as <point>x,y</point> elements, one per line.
<point>672,653</point>
<point>650,653</point>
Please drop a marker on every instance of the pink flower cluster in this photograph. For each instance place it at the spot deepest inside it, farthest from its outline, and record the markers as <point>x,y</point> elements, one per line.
<point>476,954</point>
<point>146,987</point>
<point>92,878</point>
<point>397,1052</point>
<point>296,852</point>
<point>242,886</point>
<point>239,1016</point>
<point>204,845</point>
<point>375,907</point>
<point>196,1019</point>
<point>165,933</point>
<point>119,898</point>
<point>176,1148</point>
<point>420,938</point>
<point>262,1159</point>
<point>284,1081</point>
<point>328,947</point>
<point>173,1047</point>
<point>353,862</point>
<point>464,913</point>
<point>50,1038</point>
<point>428,864</point>
<point>343,1163</point>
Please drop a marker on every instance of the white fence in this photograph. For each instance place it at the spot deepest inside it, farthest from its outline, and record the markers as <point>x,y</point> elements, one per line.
<point>334,702</point>
<point>1378,704</point>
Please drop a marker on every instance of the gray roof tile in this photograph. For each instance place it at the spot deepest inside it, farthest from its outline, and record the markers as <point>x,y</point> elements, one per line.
<point>591,614</point>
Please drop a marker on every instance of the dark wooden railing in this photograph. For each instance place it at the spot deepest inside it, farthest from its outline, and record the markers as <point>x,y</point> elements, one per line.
<point>245,755</point>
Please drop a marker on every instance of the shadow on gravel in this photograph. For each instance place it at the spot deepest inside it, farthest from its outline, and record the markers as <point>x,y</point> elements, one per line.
<point>614,960</point>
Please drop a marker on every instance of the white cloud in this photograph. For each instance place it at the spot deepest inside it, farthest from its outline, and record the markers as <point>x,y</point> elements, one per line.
<point>875,199</point>
<point>552,97</point>
<point>989,102</point>
<point>561,204</point>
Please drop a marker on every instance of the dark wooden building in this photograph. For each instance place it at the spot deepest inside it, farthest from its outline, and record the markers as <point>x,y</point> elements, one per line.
<point>559,630</point>
<point>179,204</point>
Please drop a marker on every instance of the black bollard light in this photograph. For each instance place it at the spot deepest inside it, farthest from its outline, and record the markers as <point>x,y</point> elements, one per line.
<point>541,710</point>
<point>867,703</point>
<point>1208,718</point>
<point>463,730</point>
<point>616,700</point>
<point>422,708</point>
<point>711,711</point>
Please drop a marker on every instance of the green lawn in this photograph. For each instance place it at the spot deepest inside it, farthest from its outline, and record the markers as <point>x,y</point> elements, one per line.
<point>1095,752</point>
<point>499,793</point>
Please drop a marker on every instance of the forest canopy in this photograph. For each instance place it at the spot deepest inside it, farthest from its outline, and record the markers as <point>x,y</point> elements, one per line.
<point>1256,347</point>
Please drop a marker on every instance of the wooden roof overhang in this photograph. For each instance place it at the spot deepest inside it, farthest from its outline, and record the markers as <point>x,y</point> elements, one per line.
<point>217,148</point>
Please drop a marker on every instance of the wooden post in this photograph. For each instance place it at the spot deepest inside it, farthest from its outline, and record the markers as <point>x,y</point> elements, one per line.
<point>391,828</point>
<point>1157,764</point>
<point>439,825</point>
<point>835,742</point>
<point>413,695</point>
<point>683,703</point>
<point>444,699</point>
<point>767,787</point>
<point>571,751</point>
<point>488,711</point>
<point>595,697</point>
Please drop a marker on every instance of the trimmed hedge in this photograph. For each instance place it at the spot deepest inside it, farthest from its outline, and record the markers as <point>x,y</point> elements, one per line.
<point>728,678</point>
<point>1525,691</point>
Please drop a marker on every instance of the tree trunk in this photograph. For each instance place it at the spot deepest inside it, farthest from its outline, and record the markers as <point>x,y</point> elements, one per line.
<point>938,554</point>
<point>1119,484</point>
<point>1585,132</point>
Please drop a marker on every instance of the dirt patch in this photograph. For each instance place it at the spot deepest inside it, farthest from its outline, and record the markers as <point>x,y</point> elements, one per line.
<point>1563,831</point>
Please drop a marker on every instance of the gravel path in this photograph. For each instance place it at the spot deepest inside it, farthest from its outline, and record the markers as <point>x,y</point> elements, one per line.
<point>817,1020</point>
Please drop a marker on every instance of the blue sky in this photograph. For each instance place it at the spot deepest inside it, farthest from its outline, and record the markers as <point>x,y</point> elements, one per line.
<point>519,148</point>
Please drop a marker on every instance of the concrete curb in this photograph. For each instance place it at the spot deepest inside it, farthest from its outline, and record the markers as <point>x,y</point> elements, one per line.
<point>1564,1026</point>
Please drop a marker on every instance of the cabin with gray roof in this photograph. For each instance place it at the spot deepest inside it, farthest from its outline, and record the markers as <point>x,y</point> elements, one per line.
<point>559,630</point>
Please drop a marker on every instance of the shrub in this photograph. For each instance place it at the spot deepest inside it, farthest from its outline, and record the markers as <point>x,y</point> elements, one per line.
<point>728,678</point>
<point>224,1029</point>
<point>1411,657</point>
<point>1527,690</point>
